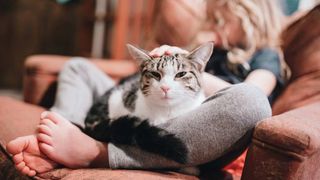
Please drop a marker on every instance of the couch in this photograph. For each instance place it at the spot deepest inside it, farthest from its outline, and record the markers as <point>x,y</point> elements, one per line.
<point>285,146</point>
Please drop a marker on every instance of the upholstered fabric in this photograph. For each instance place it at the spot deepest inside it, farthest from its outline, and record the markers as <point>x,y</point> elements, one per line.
<point>108,174</point>
<point>301,46</point>
<point>300,127</point>
<point>17,119</point>
<point>287,145</point>
<point>301,91</point>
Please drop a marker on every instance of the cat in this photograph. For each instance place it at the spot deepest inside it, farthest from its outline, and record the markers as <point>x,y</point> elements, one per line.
<point>164,88</point>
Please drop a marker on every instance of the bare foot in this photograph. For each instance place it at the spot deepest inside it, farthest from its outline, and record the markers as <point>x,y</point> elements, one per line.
<point>27,157</point>
<point>64,143</point>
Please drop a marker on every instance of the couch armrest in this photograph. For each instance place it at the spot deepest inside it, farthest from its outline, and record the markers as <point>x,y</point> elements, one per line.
<point>286,146</point>
<point>41,74</point>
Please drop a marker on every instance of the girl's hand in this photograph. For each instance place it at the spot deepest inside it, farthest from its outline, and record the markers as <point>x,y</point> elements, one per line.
<point>167,50</point>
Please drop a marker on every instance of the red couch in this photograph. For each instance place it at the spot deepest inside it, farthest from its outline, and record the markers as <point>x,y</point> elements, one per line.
<point>285,146</point>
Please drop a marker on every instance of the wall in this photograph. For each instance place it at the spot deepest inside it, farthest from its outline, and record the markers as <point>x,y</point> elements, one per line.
<point>41,27</point>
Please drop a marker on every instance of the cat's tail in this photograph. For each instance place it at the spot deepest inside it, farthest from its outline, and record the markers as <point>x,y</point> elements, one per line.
<point>129,130</point>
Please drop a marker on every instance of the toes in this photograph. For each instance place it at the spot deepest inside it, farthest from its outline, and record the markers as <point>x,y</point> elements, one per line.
<point>18,158</point>
<point>54,117</point>
<point>48,123</point>
<point>46,149</point>
<point>44,114</point>
<point>44,129</point>
<point>32,173</point>
<point>20,165</point>
<point>44,138</point>
<point>25,170</point>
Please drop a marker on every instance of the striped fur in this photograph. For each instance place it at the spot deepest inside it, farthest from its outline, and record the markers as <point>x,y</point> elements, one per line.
<point>170,64</point>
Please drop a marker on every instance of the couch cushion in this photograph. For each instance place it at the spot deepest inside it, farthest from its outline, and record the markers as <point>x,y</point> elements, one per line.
<point>302,91</point>
<point>301,46</point>
<point>106,174</point>
<point>17,119</point>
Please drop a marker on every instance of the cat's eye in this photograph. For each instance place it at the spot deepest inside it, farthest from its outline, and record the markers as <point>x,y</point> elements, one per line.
<point>181,74</point>
<point>155,75</point>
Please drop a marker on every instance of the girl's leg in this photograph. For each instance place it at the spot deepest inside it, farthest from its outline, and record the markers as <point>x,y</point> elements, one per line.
<point>80,83</point>
<point>219,126</point>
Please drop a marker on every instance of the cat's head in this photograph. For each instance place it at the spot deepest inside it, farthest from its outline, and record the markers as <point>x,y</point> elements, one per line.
<point>172,79</point>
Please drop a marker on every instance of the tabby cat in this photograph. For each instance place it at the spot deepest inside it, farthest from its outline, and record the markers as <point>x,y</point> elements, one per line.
<point>164,88</point>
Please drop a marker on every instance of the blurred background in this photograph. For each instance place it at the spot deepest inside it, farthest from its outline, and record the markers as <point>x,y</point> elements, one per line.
<point>72,28</point>
<point>96,28</point>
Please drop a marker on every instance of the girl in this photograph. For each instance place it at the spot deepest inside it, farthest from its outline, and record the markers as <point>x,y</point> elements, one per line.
<point>246,45</point>
<point>215,133</point>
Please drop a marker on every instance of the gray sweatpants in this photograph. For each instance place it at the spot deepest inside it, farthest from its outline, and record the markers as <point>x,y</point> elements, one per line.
<point>218,128</point>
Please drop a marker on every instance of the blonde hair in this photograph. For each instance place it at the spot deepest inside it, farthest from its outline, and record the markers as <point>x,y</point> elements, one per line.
<point>261,21</point>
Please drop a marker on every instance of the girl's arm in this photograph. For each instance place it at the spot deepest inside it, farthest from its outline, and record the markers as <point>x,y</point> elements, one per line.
<point>263,79</point>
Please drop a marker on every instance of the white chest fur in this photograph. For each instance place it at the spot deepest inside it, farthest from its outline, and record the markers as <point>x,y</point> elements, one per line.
<point>160,114</point>
<point>116,106</point>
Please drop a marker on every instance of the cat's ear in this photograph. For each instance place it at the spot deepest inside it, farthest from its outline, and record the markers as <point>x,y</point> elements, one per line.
<point>138,54</point>
<point>201,55</point>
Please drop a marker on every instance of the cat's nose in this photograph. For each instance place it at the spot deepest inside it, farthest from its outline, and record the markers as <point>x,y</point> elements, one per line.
<point>164,88</point>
